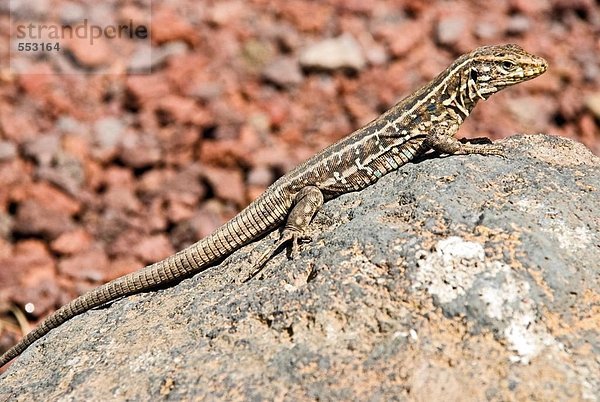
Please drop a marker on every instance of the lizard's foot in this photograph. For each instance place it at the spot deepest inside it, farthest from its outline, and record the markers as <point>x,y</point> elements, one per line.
<point>288,235</point>
<point>296,238</point>
<point>487,149</point>
<point>439,140</point>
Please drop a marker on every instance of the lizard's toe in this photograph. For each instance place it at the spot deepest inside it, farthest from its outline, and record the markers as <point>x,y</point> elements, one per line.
<point>297,238</point>
<point>499,151</point>
<point>295,251</point>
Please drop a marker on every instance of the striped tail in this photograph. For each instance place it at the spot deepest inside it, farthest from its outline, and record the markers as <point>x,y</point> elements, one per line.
<point>264,214</point>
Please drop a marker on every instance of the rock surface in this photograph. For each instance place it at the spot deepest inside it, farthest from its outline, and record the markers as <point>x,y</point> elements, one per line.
<point>458,278</point>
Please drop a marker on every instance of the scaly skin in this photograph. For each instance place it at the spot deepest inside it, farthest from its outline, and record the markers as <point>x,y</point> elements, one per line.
<point>427,119</point>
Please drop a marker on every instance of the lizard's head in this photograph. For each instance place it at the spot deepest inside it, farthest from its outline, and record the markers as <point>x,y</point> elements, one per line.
<point>493,68</point>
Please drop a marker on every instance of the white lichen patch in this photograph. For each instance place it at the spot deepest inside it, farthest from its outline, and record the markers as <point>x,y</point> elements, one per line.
<point>570,239</point>
<point>527,337</point>
<point>529,205</point>
<point>450,270</point>
<point>509,291</point>
<point>510,301</point>
<point>455,248</point>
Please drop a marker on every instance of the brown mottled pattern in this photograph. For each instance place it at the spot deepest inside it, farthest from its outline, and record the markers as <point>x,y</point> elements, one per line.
<point>427,119</point>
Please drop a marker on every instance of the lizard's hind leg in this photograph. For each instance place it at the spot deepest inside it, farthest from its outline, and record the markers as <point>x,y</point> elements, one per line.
<point>306,204</point>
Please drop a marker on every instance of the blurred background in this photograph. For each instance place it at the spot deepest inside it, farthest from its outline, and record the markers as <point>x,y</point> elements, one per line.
<point>117,154</point>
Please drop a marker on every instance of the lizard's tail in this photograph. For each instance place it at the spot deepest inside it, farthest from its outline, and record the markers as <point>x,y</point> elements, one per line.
<point>139,281</point>
<point>248,225</point>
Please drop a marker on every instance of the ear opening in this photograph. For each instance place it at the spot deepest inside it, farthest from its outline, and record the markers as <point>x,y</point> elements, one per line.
<point>473,74</point>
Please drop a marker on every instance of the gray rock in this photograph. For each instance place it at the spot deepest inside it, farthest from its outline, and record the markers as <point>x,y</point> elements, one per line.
<point>283,72</point>
<point>139,150</point>
<point>28,9</point>
<point>260,175</point>
<point>206,91</point>
<point>108,132</point>
<point>142,60</point>
<point>5,225</point>
<point>101,13</point>
<point>8,151</point>
<point>342,52</point>
<point>66,172</point>
<point>147,57</point>
<point>71,13</point>
<point>592,102</point>
<point>43,148</point>
<point>450,29</point>
<point>53,163</point>
<point>518,24</point>
<point>66,124</point>
<point>457,278</point>
<point>377,54</point>
<point>486,29</point>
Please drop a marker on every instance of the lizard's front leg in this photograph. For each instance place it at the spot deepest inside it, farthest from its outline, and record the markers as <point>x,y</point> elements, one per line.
<point>306,204</point>
<point>442,140</point>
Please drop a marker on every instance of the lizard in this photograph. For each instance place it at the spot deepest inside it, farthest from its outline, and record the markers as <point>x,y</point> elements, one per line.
<point>427,120</point>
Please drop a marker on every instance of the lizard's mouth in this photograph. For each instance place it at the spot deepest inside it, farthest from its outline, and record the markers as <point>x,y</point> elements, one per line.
<point>538,69</point>
<point>487,91</point>
<point>535,68</point>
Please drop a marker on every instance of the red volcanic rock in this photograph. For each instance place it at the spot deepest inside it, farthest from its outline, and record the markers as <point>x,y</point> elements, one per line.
<point>153,248</point>
<point>72,242</point>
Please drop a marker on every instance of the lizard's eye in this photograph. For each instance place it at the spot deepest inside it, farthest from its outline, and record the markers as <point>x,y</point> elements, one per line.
<point>508,65</point>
